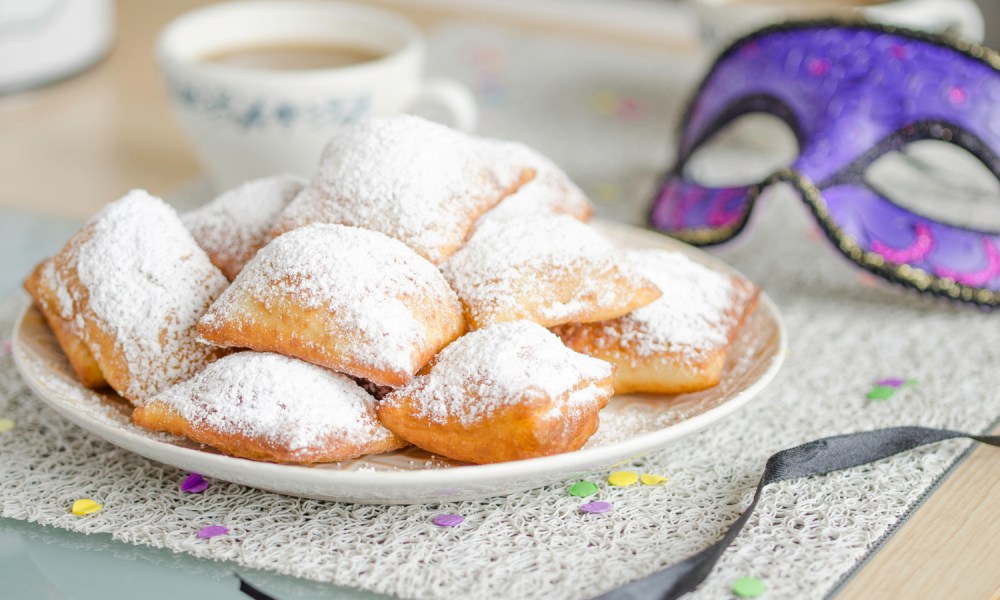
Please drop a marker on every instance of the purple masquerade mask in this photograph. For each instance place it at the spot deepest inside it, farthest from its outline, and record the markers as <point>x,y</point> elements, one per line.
<point>851,93</point>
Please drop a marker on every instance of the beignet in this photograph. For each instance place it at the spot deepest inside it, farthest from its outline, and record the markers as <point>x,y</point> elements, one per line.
<point>679,342</point>
<point>134,283</point>
<point>415,181</point>
<point>238,223</point>
<point>507,392</point>
<point>270,407</point>
<point>348,299</point>
<point>546,269</point>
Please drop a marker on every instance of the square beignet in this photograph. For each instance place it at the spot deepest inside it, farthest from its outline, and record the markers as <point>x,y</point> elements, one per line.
<point>415,181</point>
<point>133,283</point>
<point>238,223</point>
<point>349,299</point>
<point>265,406</point>
<point>547,269</point>
<point>678,343</point>
<point>507,392</point>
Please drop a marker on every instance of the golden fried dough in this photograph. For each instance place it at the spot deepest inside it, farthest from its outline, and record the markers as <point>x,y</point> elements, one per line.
<point>348,299</point>
<point>80,359</point>
<point>679,342</point>
<point>547,269</point>
<point>270,407</point>
<point>507,392</point>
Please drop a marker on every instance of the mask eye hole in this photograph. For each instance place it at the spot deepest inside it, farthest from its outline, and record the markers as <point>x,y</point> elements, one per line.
<point>748,150</point>
<point>940,181</point>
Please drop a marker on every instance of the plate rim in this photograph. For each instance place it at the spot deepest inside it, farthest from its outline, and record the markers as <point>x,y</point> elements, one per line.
<point>582,460</point>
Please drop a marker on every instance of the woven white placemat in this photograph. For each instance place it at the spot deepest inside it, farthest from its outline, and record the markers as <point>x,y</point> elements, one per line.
<point>845,334</point>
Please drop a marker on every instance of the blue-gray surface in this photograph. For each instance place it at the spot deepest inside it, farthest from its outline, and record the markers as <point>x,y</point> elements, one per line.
<point>38,562</point>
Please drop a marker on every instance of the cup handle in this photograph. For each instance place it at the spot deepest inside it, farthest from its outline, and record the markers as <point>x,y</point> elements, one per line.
<point>455,98</point>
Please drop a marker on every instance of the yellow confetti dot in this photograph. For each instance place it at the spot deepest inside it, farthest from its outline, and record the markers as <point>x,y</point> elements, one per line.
<point>605,101</point>
<point>648,479</point>
<point>622,478</point>
<point>85,506</point>
<point>606,192</point>
<point>6,425</point>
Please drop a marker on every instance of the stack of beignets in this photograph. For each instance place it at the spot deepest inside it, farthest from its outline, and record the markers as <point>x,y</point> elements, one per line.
<point>365,283</point>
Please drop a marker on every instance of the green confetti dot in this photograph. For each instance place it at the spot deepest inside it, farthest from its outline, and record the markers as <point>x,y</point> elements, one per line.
<point>910,383</point>
<point>748,587</point>
<point>606,192</point>
<point>881,392</point>
<point>582,489</point>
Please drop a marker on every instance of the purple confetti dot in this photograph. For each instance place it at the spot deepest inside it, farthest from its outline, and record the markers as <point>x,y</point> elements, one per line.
<point>894,382</point>
<point>212,531</point>
<point>449,520</point>
<point>194,484</point>
<point>596,507</point>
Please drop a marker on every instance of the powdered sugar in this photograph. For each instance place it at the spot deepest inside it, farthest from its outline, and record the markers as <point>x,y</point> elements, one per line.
<point>692,317</point>
<point>508,264</point>
<point>549,192</point>
<point>371,284</point>
<point>285,401</point>
<point>503,365</point>
<point>146,283</point>
<point>62,294</point>
<point>413,180</point>
<point>235,225</point>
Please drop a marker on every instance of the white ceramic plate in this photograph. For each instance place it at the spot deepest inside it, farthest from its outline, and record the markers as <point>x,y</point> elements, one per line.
<point>631,425</point>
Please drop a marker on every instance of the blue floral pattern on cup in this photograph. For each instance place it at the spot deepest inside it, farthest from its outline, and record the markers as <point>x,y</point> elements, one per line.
<point>263,112</point>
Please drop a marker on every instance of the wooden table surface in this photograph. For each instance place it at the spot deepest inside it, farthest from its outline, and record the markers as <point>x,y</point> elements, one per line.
<point>69,148</point>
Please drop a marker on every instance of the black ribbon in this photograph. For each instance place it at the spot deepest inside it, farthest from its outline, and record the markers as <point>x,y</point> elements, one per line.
<point>818,457</point>
<point>255,593</point>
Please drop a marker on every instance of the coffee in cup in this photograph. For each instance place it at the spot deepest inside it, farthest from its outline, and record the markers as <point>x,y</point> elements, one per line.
<point>260,86</point>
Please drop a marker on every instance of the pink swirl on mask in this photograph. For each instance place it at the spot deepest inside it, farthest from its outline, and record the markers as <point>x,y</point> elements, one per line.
<point>980,277</point>
<point>915,252</point>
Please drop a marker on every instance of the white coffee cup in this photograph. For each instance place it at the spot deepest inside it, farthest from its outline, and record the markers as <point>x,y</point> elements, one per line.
<point>722,21</point>
<point>249,122</point>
